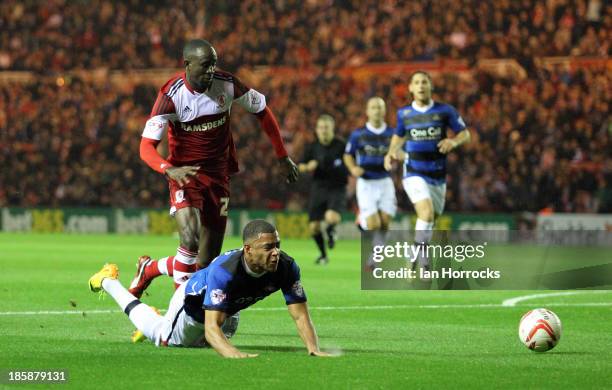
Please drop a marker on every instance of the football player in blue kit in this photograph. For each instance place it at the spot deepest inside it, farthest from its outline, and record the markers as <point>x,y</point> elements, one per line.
<point>364,158</point>
<point>421,142</point>
<point>201,309</point>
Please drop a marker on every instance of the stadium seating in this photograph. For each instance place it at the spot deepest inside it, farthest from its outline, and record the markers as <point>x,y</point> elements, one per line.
<point>542,141</point>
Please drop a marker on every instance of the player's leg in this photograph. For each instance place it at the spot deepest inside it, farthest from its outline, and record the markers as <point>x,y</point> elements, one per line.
<point>336,201</point>
<point>211,242</point>
<point>145,318</point>
<point>423,229</point>
<point>148,269</point>
<point>178,328</point>
<point>418,191</point>
<point>214,219</point>
<point>367,201</point>
<point>317,235</point>
<point>186,203</point>
<point>316,213</point>
<point>332,218</point>
<point>438,198</point>
<point>189,229</point>
<point>387,207</point>
<point>371,224</point>
<point>385,221</point>
<point>180,266</point>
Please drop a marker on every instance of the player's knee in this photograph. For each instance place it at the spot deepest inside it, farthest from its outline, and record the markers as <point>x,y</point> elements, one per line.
<point>373,222</point>
<point>427,216</point>
<point>332,217</point>
<point>425,212</point>
<point>385,221</point>
<point>314,227</point>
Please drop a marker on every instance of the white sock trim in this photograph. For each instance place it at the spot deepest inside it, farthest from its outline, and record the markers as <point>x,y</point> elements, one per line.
<point>162,265</point>
<point>423,231</point>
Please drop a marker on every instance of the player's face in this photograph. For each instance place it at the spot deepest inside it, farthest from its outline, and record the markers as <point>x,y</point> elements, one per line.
<point>376,111</point>
<point>420,87</point>
<point>264,252</point>
<point>200,68</point>
<point>325,131</point>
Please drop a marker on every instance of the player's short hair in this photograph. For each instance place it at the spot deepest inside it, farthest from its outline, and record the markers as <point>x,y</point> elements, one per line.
<point>192,45</point>
<point>253,229</point>
<point>423,73</point>
<point>327,118</point>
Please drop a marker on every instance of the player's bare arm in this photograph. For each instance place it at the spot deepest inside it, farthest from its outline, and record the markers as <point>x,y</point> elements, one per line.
<point>181,175</point>
<point>448,144</point>
<point>310,166</point>
<point>299,313</point>
<point>214,336</point>
<point>289,169</point>
<point>395,152</point>
<point>351,165</point>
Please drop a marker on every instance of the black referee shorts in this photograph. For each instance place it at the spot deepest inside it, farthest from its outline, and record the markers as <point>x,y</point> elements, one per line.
<point>323,199</point>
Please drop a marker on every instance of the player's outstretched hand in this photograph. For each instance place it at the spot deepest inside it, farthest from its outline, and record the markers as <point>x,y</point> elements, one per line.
<point>290,170</point>
<point>446,145</point>
<point>321,354</point>
<point>181,174</point>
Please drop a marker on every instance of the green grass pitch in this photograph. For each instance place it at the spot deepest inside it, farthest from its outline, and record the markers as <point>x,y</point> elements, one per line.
<point>388,339</point>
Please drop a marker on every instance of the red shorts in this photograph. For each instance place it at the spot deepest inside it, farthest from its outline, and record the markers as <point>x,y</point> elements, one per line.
<point>209,194</point>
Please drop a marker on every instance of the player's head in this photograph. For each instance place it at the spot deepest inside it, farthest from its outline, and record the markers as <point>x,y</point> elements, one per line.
<point>261,244</point>
<point>325,129</point>
<point>200,60</point>
<point>376,110</point>
<point>421,86</point>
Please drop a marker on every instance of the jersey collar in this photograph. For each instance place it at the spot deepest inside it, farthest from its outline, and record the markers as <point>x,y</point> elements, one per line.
<point>376,130</point>
<point>187,85</point>
<point>423,109</point>
<point>249,271</point>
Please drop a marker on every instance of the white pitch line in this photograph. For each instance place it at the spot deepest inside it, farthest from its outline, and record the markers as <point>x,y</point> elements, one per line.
<point>56,312</point>
<point>269,309</point>
<point>513,301</point>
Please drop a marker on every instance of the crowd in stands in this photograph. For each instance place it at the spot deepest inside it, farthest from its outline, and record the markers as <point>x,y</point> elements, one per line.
<point>542,142</point>
<point>56,35</point>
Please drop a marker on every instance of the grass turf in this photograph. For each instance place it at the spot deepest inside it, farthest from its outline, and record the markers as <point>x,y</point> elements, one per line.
<point>386,339</point>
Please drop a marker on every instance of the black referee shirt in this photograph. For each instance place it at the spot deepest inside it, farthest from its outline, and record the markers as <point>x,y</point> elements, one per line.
<point>330,172</point>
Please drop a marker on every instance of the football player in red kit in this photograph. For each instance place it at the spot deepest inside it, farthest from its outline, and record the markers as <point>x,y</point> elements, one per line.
<point>194,109</point>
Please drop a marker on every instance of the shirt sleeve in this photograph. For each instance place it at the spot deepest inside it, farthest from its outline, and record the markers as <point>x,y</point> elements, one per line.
<point>216,297</point>
<point>292,287</point>
<point>162,111</point>
<point>399,127</point>
<point>455,121</point>
<point>351,145</point>
<point>248,98</point>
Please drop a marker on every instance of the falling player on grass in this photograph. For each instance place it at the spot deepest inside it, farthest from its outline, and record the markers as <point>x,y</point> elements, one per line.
<point>421,131</point>
<point>237,279</point>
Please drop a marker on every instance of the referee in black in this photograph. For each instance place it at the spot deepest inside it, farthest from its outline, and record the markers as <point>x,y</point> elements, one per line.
<point>328,191</point>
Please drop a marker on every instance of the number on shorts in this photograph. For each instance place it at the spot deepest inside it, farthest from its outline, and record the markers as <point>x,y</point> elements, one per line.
<point>224,203</point>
